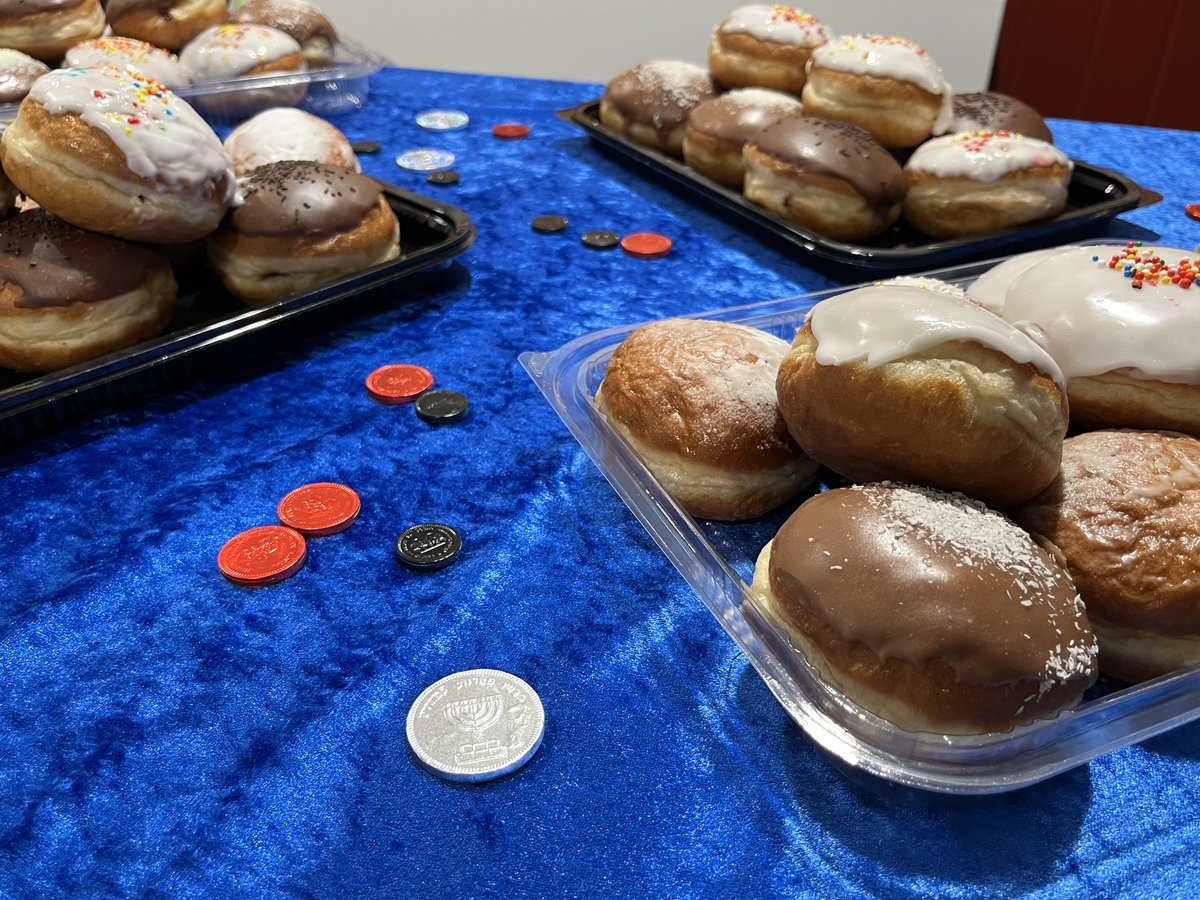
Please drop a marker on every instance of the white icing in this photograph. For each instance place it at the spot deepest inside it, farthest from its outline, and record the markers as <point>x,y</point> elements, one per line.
<point>989,289</point>
<point>128,53</point>
<point>761,98</point>
<point>928,284</point>
<point>878,326</point>
<point>983,155</point>
<point>288,133</point>
<point>777,24</point>
<point>1092,320</point>
<point>885,56</point>
<point>227,51</point>
<point>161,136</point>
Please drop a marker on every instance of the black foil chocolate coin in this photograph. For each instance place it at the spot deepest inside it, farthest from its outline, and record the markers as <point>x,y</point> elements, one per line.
<point>437,407</point>
<point>446,176</point>
<point>366,146</point>
<point>549,224</point>
<point>428,546</point>
<point>599,239</point>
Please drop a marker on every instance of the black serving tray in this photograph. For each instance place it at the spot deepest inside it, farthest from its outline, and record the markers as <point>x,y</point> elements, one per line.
<point>208,319</point>
<point>1095,196</point>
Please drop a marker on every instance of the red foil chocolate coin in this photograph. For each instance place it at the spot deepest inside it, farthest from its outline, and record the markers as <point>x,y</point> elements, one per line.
<point>318,509</point>
<point>510,130</point>
<point>263,555</point>
<point>400,383</point>
<point>646,245</point>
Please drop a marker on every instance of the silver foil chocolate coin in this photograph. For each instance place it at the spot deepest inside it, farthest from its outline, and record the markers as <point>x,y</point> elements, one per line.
<point>476,725</point>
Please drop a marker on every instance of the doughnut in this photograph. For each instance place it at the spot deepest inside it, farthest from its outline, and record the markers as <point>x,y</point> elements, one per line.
<point>930,284</point>
<point>223,53</point>
<point>169,24</point>
<point>1125,513</point>
<point>18,72</point>
<point>971,182</point>
<point>828,176</point>
<point>892,382</point>
<point>130,53</point>
<point>717,130</point>
<point>283,133</point>
<point>288,133</point>
<point>69,295</point>
<point>304,22</point>
<point>888,85</point>
<point>46,28</point>
<point>116,152</point>
<point>301,224</point>
<point>988,289</point>
<point>649,103</point>
<point>695,399</point>
<point>764,46</point>
<point>927,609</point>
<point>993,111</point>
<point>8,196</point>
<point>1123,332</point>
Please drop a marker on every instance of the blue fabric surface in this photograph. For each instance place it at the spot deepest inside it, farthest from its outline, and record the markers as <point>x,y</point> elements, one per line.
<point>166,733</point>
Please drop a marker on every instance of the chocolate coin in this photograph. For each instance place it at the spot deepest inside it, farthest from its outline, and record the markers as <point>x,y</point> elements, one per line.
<point>549,224</point>
<point>443,119</point>
<point>263,555</point>
<point>428,546</point>
<point>425,159</point>
<point>439,407</point>
<point>366,146</point>
<point>510,130</point>
<point>1193,210</point>
<point>646,245</point>
<point>445,176</point>
<point>598,239</point>
<point>398,383</point>
<point>476,725</point>
<point>318,509</point>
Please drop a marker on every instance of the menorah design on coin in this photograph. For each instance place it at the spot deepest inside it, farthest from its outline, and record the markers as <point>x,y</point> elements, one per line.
<point>475,714</point>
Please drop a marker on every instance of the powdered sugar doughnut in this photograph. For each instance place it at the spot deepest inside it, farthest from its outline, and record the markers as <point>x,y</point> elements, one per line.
<point>927,609</point>
<point>977,181</point>
<point>288,133</point>
<point>649,103</point>
<point>1125,512</point>
<point>892,382</point>
<point>46,28</point>
<point>888,85</point>
<point>1123,323</point>
<point>695,399</point>
<point>130,53</point>
<point>717,130</point>
<point>766,46</point>
<point>310,27</point>
<point>116,152</point>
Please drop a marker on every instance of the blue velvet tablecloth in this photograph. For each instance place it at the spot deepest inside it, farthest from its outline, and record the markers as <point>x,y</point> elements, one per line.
<point>164,732</point>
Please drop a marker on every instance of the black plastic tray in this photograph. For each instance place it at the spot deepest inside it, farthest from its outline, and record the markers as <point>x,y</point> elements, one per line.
<point>207,318</point>
<point>1094,197</point>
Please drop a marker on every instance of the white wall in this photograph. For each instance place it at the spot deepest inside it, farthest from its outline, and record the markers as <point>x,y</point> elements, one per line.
<point>593,40</point>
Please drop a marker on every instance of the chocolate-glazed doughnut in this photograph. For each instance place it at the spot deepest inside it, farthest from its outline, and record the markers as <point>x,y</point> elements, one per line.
<point>301,224</point>
<point>69,295</point>
<point>826,175</point>
<point>649,103</point>
<point>717,130</point>
<point>993,111</point>
<point>928,609</point>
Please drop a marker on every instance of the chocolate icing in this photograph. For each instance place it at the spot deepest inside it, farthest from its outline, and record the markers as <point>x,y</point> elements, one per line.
<point>839,149</point>
<point>57,264</point>
<point>725,118</point>
<point>299,197</point>
<point>660,94</point>
<point>993,111</point>
<point>114,9</point>
<point>916,574</point>
<point>11,9</point>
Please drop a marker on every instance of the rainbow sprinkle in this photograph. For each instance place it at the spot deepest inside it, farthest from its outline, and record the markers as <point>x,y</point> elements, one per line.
<point>1142,266</point>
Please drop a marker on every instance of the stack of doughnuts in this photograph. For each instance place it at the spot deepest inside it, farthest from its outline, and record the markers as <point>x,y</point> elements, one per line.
<point>977,162</point>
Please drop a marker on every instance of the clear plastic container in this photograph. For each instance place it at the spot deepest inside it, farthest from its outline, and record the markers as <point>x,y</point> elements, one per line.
<point>717,560</point>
